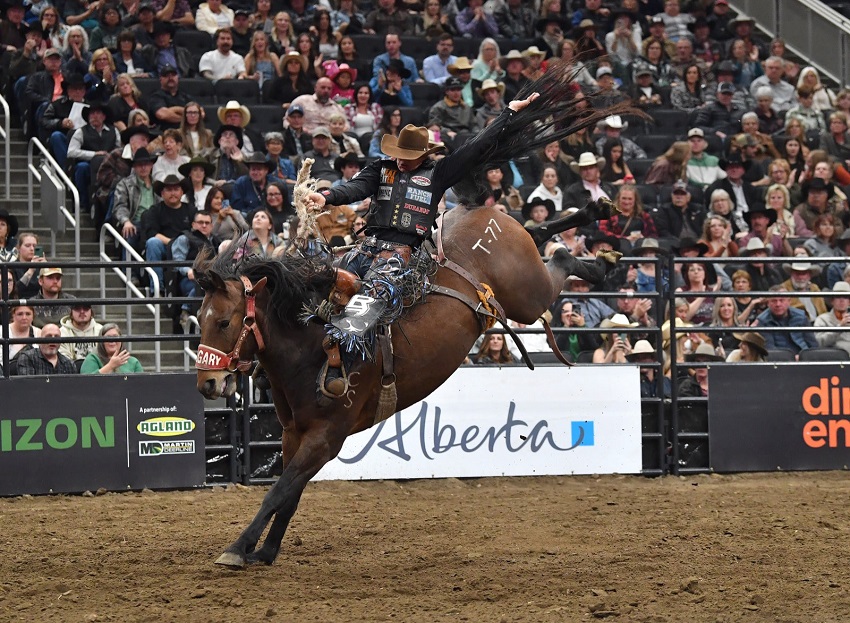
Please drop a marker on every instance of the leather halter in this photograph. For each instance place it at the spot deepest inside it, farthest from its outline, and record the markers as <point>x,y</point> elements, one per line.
<point>210,358</point>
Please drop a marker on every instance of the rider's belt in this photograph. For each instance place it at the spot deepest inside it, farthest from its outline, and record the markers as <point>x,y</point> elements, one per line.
<point>403,250</point>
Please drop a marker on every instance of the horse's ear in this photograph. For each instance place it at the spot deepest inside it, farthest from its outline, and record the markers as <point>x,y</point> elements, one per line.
<point>217,281</point>
<point>258,287</point>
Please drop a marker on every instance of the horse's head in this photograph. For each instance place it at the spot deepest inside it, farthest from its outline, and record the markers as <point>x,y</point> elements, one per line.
<point>230,335</point>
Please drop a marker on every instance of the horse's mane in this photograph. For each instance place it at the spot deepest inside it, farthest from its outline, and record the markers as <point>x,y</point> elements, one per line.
<point>294,282</point>
<point>556,114</point>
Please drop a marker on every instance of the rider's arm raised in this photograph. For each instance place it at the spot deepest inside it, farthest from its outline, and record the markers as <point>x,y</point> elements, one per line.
<point>364,184</point>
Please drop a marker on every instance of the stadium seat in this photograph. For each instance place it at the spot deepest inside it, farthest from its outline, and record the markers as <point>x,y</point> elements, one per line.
<point>425,93</point>
<point>199,89</point>
<point>147,85</point>
<point>824,354</point>
<point>246,92</point>
<point>672,121</point>
<point>781,354</point>
<point>648,195</point>
<point>211,117</point>
<point>654,144</point>
<point>267,118</point>
<point>369,46</point>
<point>196,41</point>
<point>545,357</point>
<point>412,114</point>
<point>639,167</point>
<point>585,356</point>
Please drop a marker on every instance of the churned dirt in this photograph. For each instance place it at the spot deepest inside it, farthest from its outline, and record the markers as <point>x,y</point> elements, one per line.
<point>765,547</point>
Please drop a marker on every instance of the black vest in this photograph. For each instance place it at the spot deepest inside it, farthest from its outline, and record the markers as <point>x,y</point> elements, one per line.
<point>406,202</point>
<point>105,141</point>
<point>197,242</point>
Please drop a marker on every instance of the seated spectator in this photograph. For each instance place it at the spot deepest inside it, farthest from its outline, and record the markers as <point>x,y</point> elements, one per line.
<point>779,199</point>
<point>609,93</point>
<point>27,251</point>
<point>127,97</point>
<point>615,346</point>
<point>746,63</point>
<point>386,18</point>
<point>392,90</point>
<point>227,222</point>
<point>134,195</point>
<point>770,121</point>
<point>250,188</point>
<point>282,34</point>
<point>537,210</point>
<point>645,93</point>
<point>823,98</point>
<point>235,114</point>
<point>755,171</point>
<point>747,307</point>
<point>817,194</point>
<point>551,26</point>
<point>612,128</point>
<point>392,45</point>
<point>763,275</point>
<point>688,95</point>
<point>630,222</point>
<point>494,351</point>
<point>835,270</point>
<point>21,327</point>
<point>623,43</point>
<point>800,280</point>
<point>260,239</point>
<point>283,170</point>
<point>197,180</point>
<point>110,357</point>
<point>76,57</point>
<point>789,67</point>
<point>725,316</point>
<point>655,58</point>
<point>822,244</point>
<point>170,161</point>
<point>779,313</point>
<point>717,235</point>
<point>551,154</point>
<point>343,77</point>
<point>228,158</point>
<point>40,89</point>
<point>696,385</point>
<point>292,81</point>
<point>222,63</point>
<point>13,29</point>
<point>261,64</point>
<point>277,203</point>
<point>169,101</point>
<point>50,281</point>
<point>838,316</point>
<point>143,22</point>
<point>163,53</point>
<point>53,26</point>
<point>347,20</point>
<point>573,344</point>
<point>451,117</point>
<point>79,323</point>
<point>721,204</point>
<point>435,68</point>
<point>502,191</point>
<point>46,359</point>
<point>721,117</point>
<point>836,141</point>
<point>296,140</point>
<point>699,278</point>
<point>187,246</point>
<point>105,34</point>
<point>643,352</point>
<point>515,21</point>
<point>587,44</point>
<point>804,111</point>
<point>164,222</point>
<point>8,241</point>
<point>308,49</point>
<point>241,32</point>
<point>759,221</point>
<point>475,21</point>
<point>513,64</point>
<point>535,69</point>
<point>197,139</point>
<point>671,166</point>
<point>549,188</point>
<point>591,186</point>
<point>322,155</point>
<point>56,124</point>
<point>703,168</point>
<point>212,15</point>
<point>318,107</point>
<point>784,96</point>
<point>364,116</point>
<point>751,349</point>
<point>743,195</point>
<point>492,94</point>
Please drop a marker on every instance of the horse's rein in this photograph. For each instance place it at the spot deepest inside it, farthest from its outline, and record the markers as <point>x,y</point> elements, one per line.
<point>210,358</point>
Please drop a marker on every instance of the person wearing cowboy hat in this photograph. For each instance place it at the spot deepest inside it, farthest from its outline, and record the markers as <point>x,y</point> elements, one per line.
<point>759,219</point>
<point>197,180</point>
<point>516,21</point>
<point>741,27</point>
<point>838,316</point>
<point>696,385</point>
<point>551,28</point>
<point>56,124</point>
<point>742,194</point>
<point>407,188</point>
<point>163,52</point>
<point>800,278</point>
<point>835,270</point>
<point>8,231</point>
<point>228,157</point>
<point>169,101</point>
<point>816,194</point>
<point>393,90</point>
<point>514,63</point>
<point>249,190</point>
<point>134,195</point>
<point>751,348</point>
<point>234,113</point>
<point>587,45</point>
<point>222,63</point>
<point>612,128</point>
<point>591,186</point>
<point>492,93</point>
<point>535,58</point>
<point>476,21</point>
<point>779,313</point>
<point>537,210</point>
<point>615,346</point>
<point>165,221</point>
<point>762,276</point>
<point>89,145</point>
<point>451,117</point>
<point>463,70</point>
<point>644,352</point>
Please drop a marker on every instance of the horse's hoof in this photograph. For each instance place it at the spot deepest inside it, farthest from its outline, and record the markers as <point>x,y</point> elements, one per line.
<point>612,257</point>
<point>262,556</point>
<point>232,560</point>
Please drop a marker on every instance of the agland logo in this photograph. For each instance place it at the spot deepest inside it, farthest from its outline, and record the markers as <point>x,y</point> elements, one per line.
<point>167,426</point>
<point>159,448</point>
<point>827,399</point>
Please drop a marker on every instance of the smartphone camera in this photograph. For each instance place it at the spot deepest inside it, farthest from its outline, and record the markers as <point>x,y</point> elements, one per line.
<point>39,251</point>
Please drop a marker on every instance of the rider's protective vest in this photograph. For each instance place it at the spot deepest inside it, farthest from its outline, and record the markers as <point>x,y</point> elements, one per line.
<point>406,202</point>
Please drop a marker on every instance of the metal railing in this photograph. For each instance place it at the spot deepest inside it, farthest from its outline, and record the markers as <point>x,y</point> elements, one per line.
<point>132,289</point>
<point>5,134</point>
<point>57,172</point>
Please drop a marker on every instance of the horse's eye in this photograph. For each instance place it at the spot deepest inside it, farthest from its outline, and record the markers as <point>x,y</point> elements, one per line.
<point>223,324</point>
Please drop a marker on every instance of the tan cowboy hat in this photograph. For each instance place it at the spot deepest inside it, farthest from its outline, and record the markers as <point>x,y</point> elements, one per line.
<point>641,347</point>
<point>587,159</point>
<point>753,339</point>
<point>293,55</point>
<point>461,64</point>
<point>705,352</point>
<point>234,105</point>
<point>533,51</point>
<point>511,56</point>
<point>814,270</point>
<point>617,321</point>
<point>413,142</point>
<point>488,84</point>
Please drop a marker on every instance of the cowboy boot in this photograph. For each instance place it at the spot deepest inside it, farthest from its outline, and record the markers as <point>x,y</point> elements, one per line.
<point>332,377</point>
<point>347,284</point>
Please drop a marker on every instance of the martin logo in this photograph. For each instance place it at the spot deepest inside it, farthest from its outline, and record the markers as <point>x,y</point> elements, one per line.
<point>420,180</point>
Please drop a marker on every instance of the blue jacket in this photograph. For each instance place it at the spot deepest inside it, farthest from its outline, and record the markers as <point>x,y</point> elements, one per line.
<point>792,340</point>
<point>381,63</point>
<point>245,197</point>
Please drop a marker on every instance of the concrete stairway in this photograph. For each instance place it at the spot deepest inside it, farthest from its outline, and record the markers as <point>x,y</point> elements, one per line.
<point>172,358</point>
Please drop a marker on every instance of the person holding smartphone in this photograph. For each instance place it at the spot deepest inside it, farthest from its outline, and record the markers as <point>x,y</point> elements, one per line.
<point>570,343</point>
<point>26,282</point>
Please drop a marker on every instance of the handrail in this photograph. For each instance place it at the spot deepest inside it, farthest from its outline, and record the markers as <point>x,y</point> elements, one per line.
<point>74,219</point>
<point>126,277</point>
<point>5,134</point>
<point>188,353</point>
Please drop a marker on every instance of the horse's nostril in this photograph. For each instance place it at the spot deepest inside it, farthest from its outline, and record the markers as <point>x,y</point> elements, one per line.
<point>209,387</point>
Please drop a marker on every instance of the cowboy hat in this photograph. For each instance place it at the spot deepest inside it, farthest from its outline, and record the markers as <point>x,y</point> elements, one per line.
<point>396,65</point>
<point>645,246</point>
<point>198,161</point>
<point>689,242</point>
<point>533,51</point>
<point>754,244</point>
<point>461,64</point>
<point>705,352</point>
<point>488,84</point>
<point>587,159</point>
<point>841,286</point>
<point>755,340</point>
<point>412,143</point>
<point>235,129</point>
<point>812,269</point>
<point>234,105</point>
<point>168,180</point>
<point>552,18</point>
<point>734,158</point>
<point>348,157</point>
<point>538,201</point>
<point>138,129</point>
<point>73,81</point>
<point>142,156</point>
<point>513,55</point>
<point>614,121</point>
<point>641,347</point>
<point>95,105</point>
<point>583,25</point>
<point>740,19</point>
<point>345,68</point>
<point>259,159</point>
<point>817,183</point>
<point>770,213</point>
<point>599,237</point>
<point>292,55</point>
<point>11,222</point>
<point>617,321</point>
<point>710,273</point>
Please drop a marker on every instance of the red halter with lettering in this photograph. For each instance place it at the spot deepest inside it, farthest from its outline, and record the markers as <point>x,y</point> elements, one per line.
<point>210,358</point>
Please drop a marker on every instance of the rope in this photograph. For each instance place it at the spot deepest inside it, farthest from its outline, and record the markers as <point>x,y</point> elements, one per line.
<point>485,297</point>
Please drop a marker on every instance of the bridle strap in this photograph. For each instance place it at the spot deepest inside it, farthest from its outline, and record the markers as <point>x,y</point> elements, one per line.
<point>213,359</point>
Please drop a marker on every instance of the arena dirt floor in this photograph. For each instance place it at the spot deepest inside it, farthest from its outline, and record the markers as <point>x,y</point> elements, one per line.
<point>764,547</point>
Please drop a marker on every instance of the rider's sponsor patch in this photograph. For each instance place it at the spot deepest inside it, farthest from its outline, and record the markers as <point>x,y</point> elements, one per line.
<point>415,194</point>
<point>415,208</point>
<point>420,180</point>
<point>384,193</point>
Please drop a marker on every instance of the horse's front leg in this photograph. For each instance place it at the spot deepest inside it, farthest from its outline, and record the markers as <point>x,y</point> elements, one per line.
<point>317,446</point>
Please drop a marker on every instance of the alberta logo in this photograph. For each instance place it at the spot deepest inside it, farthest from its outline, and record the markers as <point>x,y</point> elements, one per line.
<point>158,448</point>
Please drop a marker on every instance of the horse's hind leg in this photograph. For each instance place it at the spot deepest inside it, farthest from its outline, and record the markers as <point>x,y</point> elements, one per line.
<point>563,264</point>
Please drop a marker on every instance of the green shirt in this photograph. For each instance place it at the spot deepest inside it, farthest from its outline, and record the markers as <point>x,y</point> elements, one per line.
<point>92,365</point>
<point>146,200</point>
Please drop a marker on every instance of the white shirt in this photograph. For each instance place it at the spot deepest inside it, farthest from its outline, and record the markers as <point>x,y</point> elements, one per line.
<point>221,66</point>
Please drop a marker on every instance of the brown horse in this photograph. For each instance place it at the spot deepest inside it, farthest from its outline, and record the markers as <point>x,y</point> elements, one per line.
<point>252,309</point>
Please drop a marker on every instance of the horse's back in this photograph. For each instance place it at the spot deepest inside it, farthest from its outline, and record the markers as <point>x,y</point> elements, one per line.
<point>498,251</point>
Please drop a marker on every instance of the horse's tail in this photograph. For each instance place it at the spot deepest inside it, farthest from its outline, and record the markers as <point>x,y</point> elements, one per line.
<point>560,110</point>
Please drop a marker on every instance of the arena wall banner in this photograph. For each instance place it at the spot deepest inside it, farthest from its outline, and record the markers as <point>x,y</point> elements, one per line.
<point>506,422</point>
<point>790,417</point>
<point>72,434</point>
